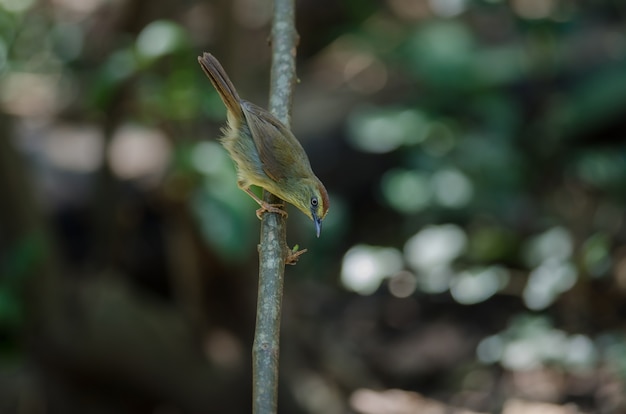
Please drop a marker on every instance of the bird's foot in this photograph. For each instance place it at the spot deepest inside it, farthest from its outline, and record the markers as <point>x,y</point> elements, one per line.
<point>270,208</point>
<point>294,255</point>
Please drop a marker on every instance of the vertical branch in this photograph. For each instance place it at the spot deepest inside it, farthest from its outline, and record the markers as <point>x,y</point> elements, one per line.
<point>273,247</point>
<point>284,43</point>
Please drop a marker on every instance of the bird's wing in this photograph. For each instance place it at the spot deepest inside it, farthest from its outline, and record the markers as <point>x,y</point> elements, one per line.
<point>280,152</point>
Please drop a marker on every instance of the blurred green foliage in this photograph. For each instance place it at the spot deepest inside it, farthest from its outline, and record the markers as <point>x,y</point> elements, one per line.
<point>478,159</point>
<point>17,264</point>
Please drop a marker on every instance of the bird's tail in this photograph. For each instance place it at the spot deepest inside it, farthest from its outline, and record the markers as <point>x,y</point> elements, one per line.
<point>221,82</point>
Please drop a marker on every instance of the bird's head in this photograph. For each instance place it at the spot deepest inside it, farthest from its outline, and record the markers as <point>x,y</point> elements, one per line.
<point>310,197</point>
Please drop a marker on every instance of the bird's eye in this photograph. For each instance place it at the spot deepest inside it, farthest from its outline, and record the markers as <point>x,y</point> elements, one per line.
<point>314,201</point>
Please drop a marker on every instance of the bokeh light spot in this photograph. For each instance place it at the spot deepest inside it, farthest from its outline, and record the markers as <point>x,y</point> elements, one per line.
<point>16,6</point>
<point>406,191</point>
<point>75,148</point>
<point>435,279</point>
<point>120,65</point>
<point>364,73</point>
<point>580,351</point>
<point>447,8</point>
<point>452,188</point>
<point>547,282</point>
<point>381,131</point>
<point>554,243</point>
<point>490,349</point>
<point>533,9</point>
<point>139,153</point>
<point>159,38</point>
<point>68,39</point>
<point>41,99</point>
<point>402,284</point>
<point>364,267</point>
<point>435,246</point>
<point>530,342</point>
<point>78,8</point>
<point>317,393</point>
<point>474,286</point>
<point>366,401</point>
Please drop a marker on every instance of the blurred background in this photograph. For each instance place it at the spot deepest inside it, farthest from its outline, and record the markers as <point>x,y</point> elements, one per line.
<point>474,255</point>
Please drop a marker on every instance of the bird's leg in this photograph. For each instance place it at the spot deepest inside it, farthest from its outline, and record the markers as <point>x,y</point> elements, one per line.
<point>265,206</point>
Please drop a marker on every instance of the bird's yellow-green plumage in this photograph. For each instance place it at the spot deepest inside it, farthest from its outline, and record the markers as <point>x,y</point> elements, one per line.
<point>265,152</point>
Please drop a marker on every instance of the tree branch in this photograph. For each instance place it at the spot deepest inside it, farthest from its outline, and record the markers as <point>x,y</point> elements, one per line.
<point>273,248</point>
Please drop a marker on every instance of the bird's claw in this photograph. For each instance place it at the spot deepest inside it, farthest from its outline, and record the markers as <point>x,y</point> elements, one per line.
<point>270,208</point>
<point>293,256</point>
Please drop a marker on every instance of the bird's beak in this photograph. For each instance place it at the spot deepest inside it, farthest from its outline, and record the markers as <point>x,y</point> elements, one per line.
<point>318,224</point>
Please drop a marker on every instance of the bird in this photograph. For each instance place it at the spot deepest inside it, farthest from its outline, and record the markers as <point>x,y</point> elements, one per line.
<point>265,152</point>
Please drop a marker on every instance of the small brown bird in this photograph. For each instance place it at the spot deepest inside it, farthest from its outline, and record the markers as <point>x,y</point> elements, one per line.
<point>265,152</point>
